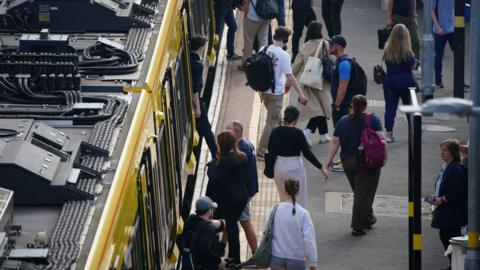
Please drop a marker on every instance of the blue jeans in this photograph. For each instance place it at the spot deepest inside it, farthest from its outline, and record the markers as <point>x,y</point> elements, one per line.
<point>224,15</point>
<point>395,88</point>
<point>440,42</point>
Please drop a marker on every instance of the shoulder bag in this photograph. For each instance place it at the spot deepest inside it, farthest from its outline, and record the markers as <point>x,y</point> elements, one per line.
<point>263,255</point>
<point>312,72</point>
<point>270,160</point>
<point>379,72</point>
<point>327,63</point>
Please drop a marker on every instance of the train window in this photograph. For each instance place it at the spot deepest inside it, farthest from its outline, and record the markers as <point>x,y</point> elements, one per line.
<point>201,18</point>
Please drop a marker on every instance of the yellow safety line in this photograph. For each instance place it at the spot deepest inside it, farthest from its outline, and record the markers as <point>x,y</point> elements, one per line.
<point>417,242</point>
<point>410,209</point>
<point>473,240</point>
<point>459,22</point>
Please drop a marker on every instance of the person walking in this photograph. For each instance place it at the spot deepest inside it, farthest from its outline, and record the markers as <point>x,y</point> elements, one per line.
<point>233,175</point>
<point>400,62</point>
<point>249,150</point>
<point>341,94</point>
<point>451,194</point>
<point>273,100</point>
<point>303,14</point>
<point>318,108</point>
<point>224,15</point>
<point>404,12</point>
<point>286,142</point>
<point>331,10</point>
<point>199,242</point>
<point>203,126</point>
<point>253,26</point>
<point>443,14</point>
<point>363,181</point>
<point>293,244</point>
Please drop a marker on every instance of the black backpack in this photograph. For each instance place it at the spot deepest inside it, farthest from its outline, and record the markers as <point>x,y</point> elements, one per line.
<point>357,84</point>
<point>266,9</point>
<point>259,71</point>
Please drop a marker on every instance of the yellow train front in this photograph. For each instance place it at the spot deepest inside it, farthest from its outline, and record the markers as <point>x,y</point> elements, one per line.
<point>97,131</point>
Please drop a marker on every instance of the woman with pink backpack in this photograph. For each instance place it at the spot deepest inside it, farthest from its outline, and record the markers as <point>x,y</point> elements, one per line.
<point>363,153</point>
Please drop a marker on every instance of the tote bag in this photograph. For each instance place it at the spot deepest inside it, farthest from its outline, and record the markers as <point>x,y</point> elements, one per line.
<point>263,255</point>
<point>312,73</point>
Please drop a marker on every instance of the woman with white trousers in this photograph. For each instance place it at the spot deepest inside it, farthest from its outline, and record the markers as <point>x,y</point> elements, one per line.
<point>285,143</point>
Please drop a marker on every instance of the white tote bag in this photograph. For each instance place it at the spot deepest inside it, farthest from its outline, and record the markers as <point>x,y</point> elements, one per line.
<point>312,73</point>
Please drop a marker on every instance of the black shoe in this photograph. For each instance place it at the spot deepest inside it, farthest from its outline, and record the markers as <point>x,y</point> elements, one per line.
<point>356,232</point>
<point>372,222</point>
<point>234,57</point>
<point>438,85</point>
<point>250,263</point>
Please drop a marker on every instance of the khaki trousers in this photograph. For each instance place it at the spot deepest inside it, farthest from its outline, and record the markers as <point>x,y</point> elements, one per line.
<point>364,184</point>
<point>412,26</point>
<point>251,29</point>
<point>273,104</point>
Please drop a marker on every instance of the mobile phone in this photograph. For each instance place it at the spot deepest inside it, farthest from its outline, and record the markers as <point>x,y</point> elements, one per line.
<point>428,198</point>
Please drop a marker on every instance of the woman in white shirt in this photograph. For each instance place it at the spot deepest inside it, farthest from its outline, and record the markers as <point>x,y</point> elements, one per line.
<point>294,244</point>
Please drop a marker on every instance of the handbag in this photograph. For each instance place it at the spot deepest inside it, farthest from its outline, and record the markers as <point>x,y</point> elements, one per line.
<point>312,72</point>
<point>270,160</point>
<point>379,72</point>
<point>263,255</point>
<point>383,35</point>
<point>327,64</point>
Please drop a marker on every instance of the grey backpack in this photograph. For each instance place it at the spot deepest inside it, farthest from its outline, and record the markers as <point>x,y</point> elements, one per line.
<point>263,255</point>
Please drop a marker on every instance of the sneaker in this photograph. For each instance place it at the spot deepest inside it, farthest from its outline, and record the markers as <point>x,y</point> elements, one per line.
<point>250,263</point>
<point>438,85</point>
<point>260,156</point>
<point>356,232</point>
<point>234,57</point>
<point>390,138</point>
<point>337,168</point>
<point>308,135</point>
<point>324,138</point>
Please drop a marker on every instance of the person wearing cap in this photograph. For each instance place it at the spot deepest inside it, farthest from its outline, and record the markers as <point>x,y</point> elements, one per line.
<point>199,242</point>
<point>341,98</point>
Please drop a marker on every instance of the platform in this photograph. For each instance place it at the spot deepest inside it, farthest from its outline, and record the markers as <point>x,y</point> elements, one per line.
<point>329,202</point>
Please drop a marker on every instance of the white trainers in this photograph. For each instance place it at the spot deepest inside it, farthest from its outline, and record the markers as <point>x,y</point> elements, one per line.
<point>308,135</point>
<point>324,138</point>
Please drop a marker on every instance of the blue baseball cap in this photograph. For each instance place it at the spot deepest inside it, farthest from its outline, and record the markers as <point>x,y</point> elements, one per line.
<point>204,203</point>
<point>338,39</point>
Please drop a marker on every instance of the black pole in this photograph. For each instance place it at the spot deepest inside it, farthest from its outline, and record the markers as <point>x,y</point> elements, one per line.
<point>417,191</point>
<point>410,192</point>
<point>459,51</point>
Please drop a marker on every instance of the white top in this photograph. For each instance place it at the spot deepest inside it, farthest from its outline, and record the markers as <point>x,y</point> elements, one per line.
<point>281,66</point>
<point>294,235</point>
<point>252,14</point>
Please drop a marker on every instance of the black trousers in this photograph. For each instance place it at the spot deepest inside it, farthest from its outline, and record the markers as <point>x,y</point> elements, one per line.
<point>446,234</point>
<point>204,129</point>
<point>320,122</point>
<point>331,10</point>
<point>301,19</point>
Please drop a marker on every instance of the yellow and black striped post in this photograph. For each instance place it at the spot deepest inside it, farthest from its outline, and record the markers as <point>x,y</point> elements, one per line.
<point>414,187</point>
<point>459,50</point>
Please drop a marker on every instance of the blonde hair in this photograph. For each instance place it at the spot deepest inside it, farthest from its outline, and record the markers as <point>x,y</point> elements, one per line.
<point>398,48</point>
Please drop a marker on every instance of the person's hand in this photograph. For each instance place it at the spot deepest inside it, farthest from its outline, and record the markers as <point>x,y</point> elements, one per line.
<point>198,113</point>
<point>312,268</point>
<point>439,30</point>
<point>324,172</point>
<point>389,21</point>
<point>438,201</point>
<point>222,264</point>
<point>464,148</point>
<point>302,100</point>
<point>329,164</point>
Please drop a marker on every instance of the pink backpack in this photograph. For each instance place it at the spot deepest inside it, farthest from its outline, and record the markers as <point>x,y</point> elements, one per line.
<point>372,147</point>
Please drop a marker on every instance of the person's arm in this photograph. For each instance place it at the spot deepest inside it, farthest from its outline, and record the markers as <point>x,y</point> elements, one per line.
<point>308,154</point>
<point>389,12</point>
<point>272,143</point>
<point>459,184</point>
<point>344,70</point>
<point>332,151</point>
<point>196,105</point>
<point>438,28</point>
<point>298,64</point>
<point>293,83</point>
<point>309,242</point>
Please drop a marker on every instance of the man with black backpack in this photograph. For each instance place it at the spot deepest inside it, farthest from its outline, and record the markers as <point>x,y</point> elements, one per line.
<point>273,98</point>
<point>348,79</point>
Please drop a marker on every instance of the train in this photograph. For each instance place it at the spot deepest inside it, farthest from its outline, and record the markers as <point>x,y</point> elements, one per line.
<point>97,131</point>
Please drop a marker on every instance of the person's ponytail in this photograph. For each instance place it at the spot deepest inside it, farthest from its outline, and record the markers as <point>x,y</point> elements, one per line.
<point>359,104</point>
<point>292,187</point>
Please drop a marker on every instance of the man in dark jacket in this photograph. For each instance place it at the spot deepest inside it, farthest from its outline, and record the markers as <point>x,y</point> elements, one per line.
<point>200,245</point>
<point>303,14</point>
